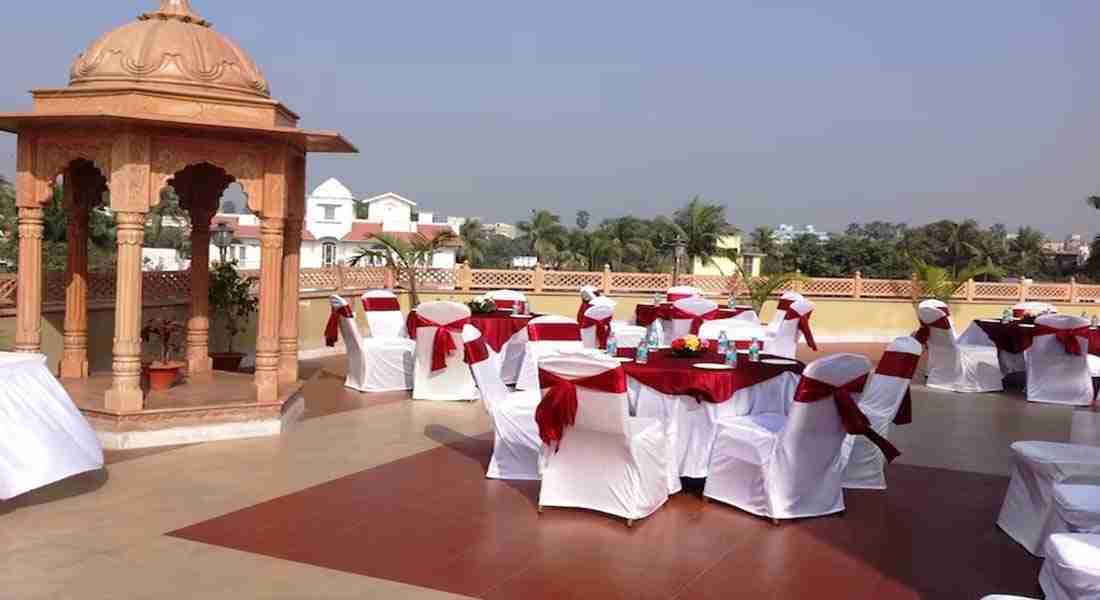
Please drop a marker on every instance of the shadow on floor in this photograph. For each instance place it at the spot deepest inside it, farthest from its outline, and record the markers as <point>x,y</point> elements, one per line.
<point>76,485</point>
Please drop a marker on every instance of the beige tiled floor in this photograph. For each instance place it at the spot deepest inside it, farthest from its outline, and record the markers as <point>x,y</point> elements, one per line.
<point>102,535</point>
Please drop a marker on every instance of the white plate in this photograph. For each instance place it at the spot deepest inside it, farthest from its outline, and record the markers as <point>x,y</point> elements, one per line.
<point>712,367</point>
<point>1025,325</point>
<point>522,316</point>
<point>624,359</point>
<point>778,361</point>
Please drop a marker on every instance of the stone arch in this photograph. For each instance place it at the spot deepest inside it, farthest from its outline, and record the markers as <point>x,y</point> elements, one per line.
<point>243,162</point>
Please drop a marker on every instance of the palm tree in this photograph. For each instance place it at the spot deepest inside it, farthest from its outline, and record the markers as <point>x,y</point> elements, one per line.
<point>940,284</point>
<point>763,239</point>
<point>1026,252</point>
<point>760,289</point>
<point>702,226</point>
<point>544,232</point>
<point>474,241</point>
<point>404,256</point>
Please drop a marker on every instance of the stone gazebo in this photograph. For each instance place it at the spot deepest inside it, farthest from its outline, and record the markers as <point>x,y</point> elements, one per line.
<point>163,101</point>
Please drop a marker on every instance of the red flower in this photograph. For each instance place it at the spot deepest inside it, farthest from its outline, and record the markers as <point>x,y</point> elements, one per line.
<point>678,344</point>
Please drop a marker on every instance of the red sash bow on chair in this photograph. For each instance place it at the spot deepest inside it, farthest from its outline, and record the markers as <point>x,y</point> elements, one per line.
<point>444,343</point>
<point>381,304</point>
<point>855,422</point>
<point>677,296</point>
<point>921,335</point>
<point>1067,337</point>
<point>558,408</point>
<point>505,304</point>
<point>583,309</point>
<point>696,320</point>
<point>901,365</point>
<point>476,350</point>
<point>603,329</point>
<point>784,304</point>
<point>332,328</point>
<point>803,325</point>
<point>554,332</point>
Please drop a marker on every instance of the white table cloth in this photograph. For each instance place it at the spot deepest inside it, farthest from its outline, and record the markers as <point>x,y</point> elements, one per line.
<point>43,437</point>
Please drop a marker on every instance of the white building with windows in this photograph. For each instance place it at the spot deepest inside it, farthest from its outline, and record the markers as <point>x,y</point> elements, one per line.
<point>332,234</point>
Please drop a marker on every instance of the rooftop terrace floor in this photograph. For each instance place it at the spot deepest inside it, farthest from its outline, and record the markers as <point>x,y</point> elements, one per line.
<point>382,497</point>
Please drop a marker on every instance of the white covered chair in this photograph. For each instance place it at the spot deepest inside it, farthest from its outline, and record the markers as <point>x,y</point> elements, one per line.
<point>506,299</point>
<point>1072,568</point>
<point>688,316</point>
<point>787,468</point>
<point>1026,514</point>
<point>516,443</point>
<point>546,335</point>
<point>605,460</point>
<point>1076,508</point>
<point>954,367</point>
<point>736,329</point>
<point>596,326</point>
<point>680,292</point>
<point>388,355</point>
<point>43,437</point>
<point>864,463</point>
<point>438,322</point>
<point>785,302</point>
<point>794,327</point>
<point>1057,361</point>
<point>342,325</point>
<point>1032,309</point>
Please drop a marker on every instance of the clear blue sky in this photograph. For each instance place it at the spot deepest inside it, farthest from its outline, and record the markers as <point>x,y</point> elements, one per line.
<point>818,112</point>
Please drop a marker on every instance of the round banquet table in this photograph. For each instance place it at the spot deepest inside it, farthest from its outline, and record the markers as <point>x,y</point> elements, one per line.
<point>43,437</point>
<point>690,401</point>
<point>646,314</point>
<point>1015,336</point>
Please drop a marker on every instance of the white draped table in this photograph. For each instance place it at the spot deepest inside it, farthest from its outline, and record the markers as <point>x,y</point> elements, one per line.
<point>43,437</point>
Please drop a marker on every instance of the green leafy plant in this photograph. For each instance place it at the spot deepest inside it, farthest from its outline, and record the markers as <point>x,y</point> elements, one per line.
<point>482,305</point>
<point>941,284</point>
<point>168,334</point>
<point>404,257</point>
<point>231,299</point>
<point>759,290</point>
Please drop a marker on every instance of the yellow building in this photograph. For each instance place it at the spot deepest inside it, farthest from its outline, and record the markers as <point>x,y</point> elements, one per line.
<point>752,262</point>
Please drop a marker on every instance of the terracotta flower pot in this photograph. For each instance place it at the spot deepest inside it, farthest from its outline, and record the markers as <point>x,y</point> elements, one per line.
<point>227,361</point>
<point>163,376</point>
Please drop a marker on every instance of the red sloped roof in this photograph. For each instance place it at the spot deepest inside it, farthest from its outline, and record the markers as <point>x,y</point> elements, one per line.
<point>361,231</point>
<point>247,232</point>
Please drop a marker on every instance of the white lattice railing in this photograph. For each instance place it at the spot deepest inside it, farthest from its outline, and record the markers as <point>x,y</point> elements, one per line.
<point>175,286</point>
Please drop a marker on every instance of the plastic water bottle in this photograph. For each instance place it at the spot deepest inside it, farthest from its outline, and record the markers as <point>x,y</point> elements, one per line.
<point>656,298</point>
<point>1095,321</point>
<point>732,304</point>
<point>642,357</point>
<point>731,356</point>
<point>1006,316</point>
<point>723,342</point>
<point>651,338</point>
<point>612,345</point>
<point>754,351</point>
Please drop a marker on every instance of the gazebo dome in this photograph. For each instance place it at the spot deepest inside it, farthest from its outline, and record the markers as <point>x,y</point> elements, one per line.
<point>171,49</point>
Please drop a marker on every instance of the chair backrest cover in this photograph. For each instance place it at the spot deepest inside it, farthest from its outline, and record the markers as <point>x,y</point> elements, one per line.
<point>943,350</point>
<point>785,341</point>
<point>785,301</point>
<point>596,410</point>
<point>679,292</point>
<point>486,371</point>
<point>553,345</point>
<point>596,313</point>
<point>695,305</point>
<point>506,299</point>
<point>1053,373</point>
<point>806,465</point>
<point>888,384</point>
<point>589,293</point>
<point>602,301</point>
<point>382,319</point>
<point>1031,308</point>
<point>442,313</point>
<point>736,329</point>
<point>353,340</point>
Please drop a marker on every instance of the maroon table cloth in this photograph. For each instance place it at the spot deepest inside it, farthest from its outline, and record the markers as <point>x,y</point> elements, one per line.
<point>646,314</point>
<point>669,374</point>
<point>1012,338</point>
<point>497,328</point>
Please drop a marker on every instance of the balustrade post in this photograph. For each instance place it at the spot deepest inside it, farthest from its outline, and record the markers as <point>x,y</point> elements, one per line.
<point>914,287</point>
<point>389,281</point>
<point>857,285</point>
<point>605,283</point>
<point>339,279</point>
<point>465,277</point>
<point>970,289</point>
<point>1073,290</point>
<point>1025,287</point>
<point>539,277</point>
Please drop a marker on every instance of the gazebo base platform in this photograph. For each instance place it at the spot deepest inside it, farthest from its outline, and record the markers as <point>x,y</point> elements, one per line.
<point>220,407</point>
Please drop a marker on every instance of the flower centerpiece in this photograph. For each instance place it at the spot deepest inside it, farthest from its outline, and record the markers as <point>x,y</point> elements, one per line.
<point>688,346</point>
<point>482,305</point>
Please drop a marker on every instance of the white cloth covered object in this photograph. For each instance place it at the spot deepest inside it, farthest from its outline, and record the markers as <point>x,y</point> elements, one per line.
<point>954,367</point>
<point>1076,508</point>
<point>43,437</point>
<point>381,366</point>
<point>1054,374</point>
<point>388,354</point>
<point>784,342</point>
<point>454,382</point>
<point>535,348</point>
<point>1071,570</point>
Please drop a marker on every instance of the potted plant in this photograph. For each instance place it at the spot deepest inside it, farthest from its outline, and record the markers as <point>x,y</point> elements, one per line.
<point>231,301</point>
<point>164,372</point>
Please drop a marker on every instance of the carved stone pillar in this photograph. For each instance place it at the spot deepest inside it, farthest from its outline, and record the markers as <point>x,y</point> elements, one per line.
<point>28,299</point>
<point>74,356</point>
<point>198,326</point>
<point>125,394</point>
<point>271,290</point>
<point>288,323</point>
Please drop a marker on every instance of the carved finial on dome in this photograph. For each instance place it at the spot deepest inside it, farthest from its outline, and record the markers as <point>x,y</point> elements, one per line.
<point>176,9</point>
